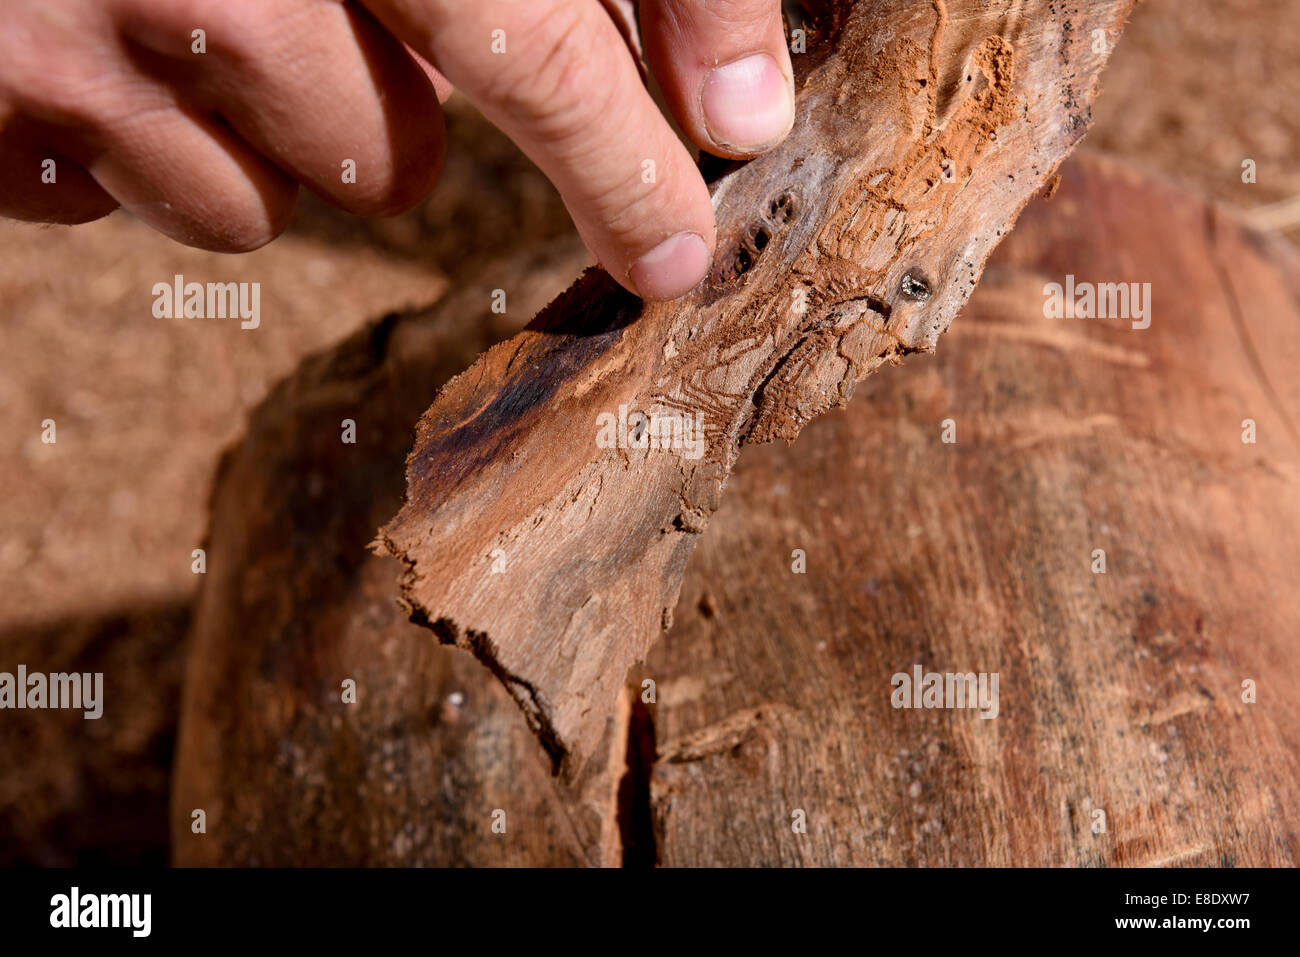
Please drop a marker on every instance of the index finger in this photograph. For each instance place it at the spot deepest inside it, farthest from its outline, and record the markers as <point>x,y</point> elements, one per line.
<point>556,76</point>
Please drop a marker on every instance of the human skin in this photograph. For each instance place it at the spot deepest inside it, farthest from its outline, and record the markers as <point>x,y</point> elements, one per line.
<point>210,146</point>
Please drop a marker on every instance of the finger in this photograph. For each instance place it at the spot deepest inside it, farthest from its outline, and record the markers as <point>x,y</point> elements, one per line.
<point>441,85</point>
<point>725,71</point>
<point>320,88</point>
<point>557,78</point>
<point>40,185</point>
<point>192,178</point>
<point>623,13</point>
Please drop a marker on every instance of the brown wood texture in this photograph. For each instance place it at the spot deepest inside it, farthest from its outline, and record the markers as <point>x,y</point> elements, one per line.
<point>1120,692</point>
<point>294,603</point>
<point>923,129</point>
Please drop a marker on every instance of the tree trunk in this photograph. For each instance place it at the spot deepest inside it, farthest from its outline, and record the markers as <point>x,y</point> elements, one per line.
<point>294,605</point>
<point>1119,692</point>
<point>1121,736</point>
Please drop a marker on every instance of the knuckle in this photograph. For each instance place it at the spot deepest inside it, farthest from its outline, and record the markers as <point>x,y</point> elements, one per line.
<point>744,14</point>
<point>63,89</point>
<point>550,88</point>
<point>64,78</point>
<point>631,208</point>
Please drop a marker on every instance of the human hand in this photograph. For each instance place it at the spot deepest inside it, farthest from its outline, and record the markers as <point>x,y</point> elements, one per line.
<point>206,136</point>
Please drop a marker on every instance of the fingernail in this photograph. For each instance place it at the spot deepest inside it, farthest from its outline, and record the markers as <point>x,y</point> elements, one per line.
<point>748,104</point>
<point>671,269</point>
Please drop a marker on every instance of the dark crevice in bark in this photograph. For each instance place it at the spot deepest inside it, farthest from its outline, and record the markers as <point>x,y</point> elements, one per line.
<point>635,818</point>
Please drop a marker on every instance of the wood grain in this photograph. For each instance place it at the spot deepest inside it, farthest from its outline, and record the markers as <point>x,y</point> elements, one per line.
<point>1119,692</point>
<point>923,129</point>
<point>294,604</point>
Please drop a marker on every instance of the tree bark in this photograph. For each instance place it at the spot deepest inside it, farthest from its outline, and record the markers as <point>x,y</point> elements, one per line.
<point>923,129</point>
<point>1120,692</point>
<point>1146,713</point>
<point>412,769</point>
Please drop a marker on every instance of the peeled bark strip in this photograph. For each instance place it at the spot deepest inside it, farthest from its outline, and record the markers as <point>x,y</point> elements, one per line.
<point>923,129</point>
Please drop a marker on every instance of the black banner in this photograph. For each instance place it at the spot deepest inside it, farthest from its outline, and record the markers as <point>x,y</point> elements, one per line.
<point>1225,908</point>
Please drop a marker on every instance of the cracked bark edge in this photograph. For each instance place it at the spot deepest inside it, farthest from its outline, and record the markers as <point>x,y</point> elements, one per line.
<point>923,130</point>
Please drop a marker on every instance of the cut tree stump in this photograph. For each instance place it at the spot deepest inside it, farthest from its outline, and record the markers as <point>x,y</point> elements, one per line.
<point>1119,693</point>
<point>293,605</point>
<point>923,128</point>
<point>1122,736</point>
